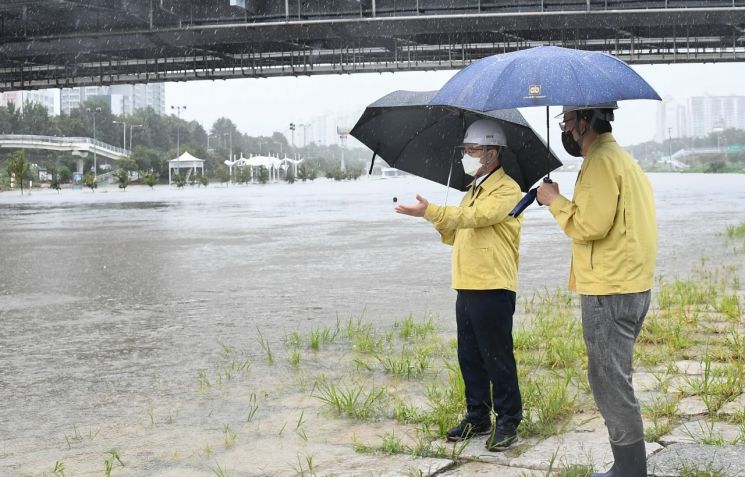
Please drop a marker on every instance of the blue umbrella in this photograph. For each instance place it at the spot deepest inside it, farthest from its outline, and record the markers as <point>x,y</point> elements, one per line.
<point>543,76</point>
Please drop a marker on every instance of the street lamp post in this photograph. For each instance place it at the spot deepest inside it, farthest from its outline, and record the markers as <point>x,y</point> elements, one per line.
<point>670,147</point>
<point>230,134</point>
<point>305,133</point>
<point>131,127</point>
<point>124,133</point>
<point>93,112</point>
<point>178,110</point>
<point>292,130</point>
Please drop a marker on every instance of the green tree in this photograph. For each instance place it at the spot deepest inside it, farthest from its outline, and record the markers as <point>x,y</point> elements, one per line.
<point>19,168</point>
<point>179,180</point>
<point>716,167</point>
<point>64,174</point>
<point>203,180</point>
<point>90,181</point>
<point>10,117</point>
<point>263,175</point>
<point>242,175</point>
<point>128,164</point>
<point>34,119</point>
<point>223,173</point>
<point>290,175</point>
<point>150,180</point>
<point>122,178</point>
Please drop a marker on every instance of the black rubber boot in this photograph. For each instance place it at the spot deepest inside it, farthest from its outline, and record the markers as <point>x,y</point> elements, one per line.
<point>630,461</point>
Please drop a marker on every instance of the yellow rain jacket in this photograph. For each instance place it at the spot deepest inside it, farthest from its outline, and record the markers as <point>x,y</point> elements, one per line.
<point>611,221</point>
<point>485,239</point>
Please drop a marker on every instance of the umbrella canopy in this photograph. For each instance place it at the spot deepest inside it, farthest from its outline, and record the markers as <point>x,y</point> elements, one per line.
<point>543,76</point>
<point>414,136</point>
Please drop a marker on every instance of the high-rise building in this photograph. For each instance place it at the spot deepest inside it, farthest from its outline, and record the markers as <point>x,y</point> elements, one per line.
<point>671,120</point>
<point>123,99</point>
<point>323,129</point>
<point>44,97</point>
<point>699,116</point>
<point>711,113</point>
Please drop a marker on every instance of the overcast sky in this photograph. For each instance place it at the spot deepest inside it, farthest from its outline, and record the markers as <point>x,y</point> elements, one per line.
<point>262,106</point>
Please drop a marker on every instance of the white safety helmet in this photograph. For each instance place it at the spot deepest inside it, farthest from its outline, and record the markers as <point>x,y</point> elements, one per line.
<point>602,111</point>
<point>485,132</point>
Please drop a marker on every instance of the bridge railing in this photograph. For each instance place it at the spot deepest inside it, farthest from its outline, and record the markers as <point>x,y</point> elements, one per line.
<point>327,9</point>
<point>61,141</point>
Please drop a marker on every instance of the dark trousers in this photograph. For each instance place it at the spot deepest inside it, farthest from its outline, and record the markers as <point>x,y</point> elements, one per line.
<point>485,353</point>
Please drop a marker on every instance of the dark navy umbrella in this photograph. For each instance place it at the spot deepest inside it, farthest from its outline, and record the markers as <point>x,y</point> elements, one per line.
<point>414,136</point>
<point>543,76</point>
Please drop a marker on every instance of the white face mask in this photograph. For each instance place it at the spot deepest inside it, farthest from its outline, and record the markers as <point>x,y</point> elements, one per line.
<point>471,165</point>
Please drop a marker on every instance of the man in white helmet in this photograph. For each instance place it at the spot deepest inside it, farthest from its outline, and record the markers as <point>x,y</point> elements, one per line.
<point>611,221</point>
<point>485,242</point>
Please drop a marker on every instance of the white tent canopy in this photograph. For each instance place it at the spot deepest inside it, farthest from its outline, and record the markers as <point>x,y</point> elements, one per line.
<point>271,164</point>
<point>185,161</point>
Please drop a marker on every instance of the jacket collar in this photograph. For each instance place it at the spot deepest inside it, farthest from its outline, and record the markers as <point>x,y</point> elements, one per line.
<point>602,139</point>
<point>488,184</point>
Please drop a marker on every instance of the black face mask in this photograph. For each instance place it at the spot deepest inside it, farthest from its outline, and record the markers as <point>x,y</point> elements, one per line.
<point>570,145</point>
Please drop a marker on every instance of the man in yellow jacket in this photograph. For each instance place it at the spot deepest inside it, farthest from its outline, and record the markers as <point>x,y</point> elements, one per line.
<point>485,242</point>
<point>611,221</point>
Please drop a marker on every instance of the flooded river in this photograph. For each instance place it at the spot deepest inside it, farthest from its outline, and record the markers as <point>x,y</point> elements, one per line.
<point>110,302</point>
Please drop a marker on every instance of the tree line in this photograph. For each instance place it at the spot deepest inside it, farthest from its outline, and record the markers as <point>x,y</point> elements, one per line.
<point>155,139</point>
<point>730,143</point>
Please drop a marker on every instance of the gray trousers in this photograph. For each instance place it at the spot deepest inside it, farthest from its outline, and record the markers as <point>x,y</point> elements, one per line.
<point>610,326</point>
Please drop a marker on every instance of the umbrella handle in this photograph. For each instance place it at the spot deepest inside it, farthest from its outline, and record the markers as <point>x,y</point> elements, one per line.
<point>372,162</point>
<point>546,180</point>
<point>548,151</point>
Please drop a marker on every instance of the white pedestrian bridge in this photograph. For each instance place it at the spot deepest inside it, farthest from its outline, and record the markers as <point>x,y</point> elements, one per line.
<point>79,146</point>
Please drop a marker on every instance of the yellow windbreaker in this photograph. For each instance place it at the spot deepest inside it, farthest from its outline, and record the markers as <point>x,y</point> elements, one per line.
<point>485,239</point>
<point>611,221</point>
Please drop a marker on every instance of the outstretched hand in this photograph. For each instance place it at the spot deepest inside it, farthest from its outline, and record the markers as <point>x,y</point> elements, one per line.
<point>415,210</point>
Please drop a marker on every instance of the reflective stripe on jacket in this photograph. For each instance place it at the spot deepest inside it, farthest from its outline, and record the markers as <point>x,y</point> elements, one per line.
<point>611,221</point>
<point>485,239</point>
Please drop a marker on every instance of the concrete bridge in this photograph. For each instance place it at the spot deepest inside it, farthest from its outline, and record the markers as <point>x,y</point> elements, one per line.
<point>50,44</point>
<point>79,146</point>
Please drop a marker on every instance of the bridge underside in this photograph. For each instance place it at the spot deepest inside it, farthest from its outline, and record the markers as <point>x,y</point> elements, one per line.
<point>64,43</point>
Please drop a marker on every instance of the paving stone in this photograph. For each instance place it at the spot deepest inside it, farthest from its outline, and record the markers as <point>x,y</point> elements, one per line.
<point>476,450</point>
<point>680,384</point>
<point>734,407</point>
<point>717,326</point>
<point>669,462</point>
<point>585,423</point>
<point>646,381</point>
<point>702,430</point>
<point>648,397</point>
<point>692,406</point>
<point>573,448</point>
<point>325,459</point>
<point>182,471</point>
<point>489,469</point>
<point>690,367</point>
